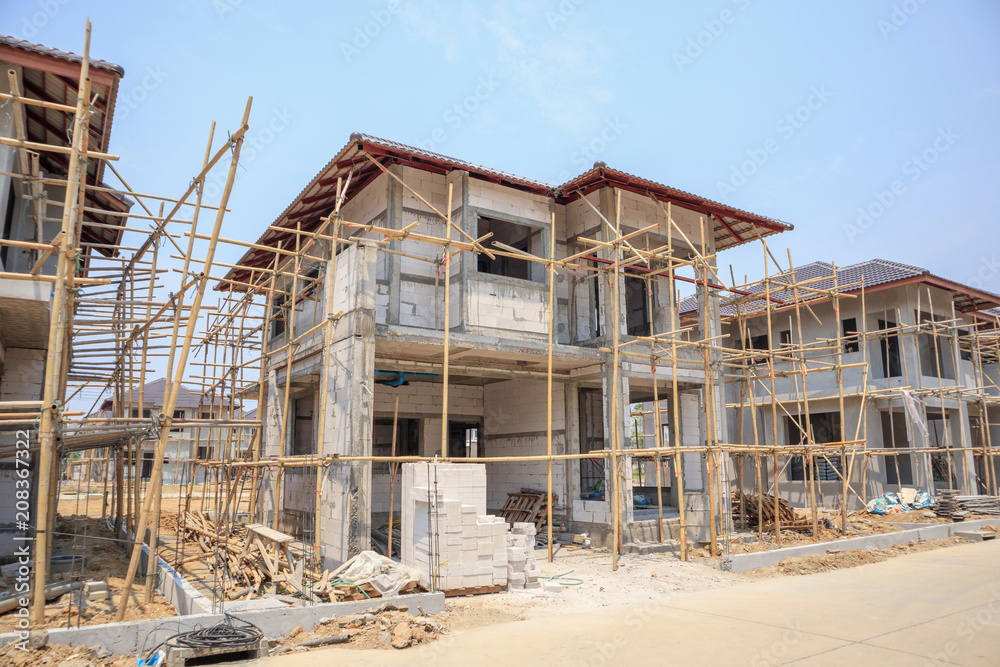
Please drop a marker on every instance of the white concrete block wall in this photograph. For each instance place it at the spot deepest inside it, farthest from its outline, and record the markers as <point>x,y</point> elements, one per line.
<point>515,425</point>
<point>691,437</point>
<point>369,203</point>
<point>23,374</point>
<point>425,398</point>
<point>507,201</point>
<point>432,187</point>
<point>580,217</point>
<point>422,400</point>
<point>497,305</point>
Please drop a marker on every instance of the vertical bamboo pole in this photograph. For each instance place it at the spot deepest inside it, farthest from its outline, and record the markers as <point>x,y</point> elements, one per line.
<point>49,414</point>
<point>774,397</point>
<point>844,472</point>
<point>392,476</point>
<point>548,383</point>
<point>657,441</point>
<point>810,440</point>
<point>446,258</point>
<point>614,422</point>
<point>175,386</point>
<point>675,391</point>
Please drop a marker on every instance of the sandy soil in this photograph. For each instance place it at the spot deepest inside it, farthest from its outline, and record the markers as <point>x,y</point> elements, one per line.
<point>803,565</point>
<point>860,524</point>
<point>106,560</point>
<point>55,655</point>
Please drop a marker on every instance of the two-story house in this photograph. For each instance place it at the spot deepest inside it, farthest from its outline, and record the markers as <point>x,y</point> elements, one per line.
<point>390,319</point>
<point>913,378</point>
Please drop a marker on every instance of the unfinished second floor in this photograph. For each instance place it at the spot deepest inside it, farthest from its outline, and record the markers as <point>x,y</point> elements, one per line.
<point>493,267</point>
<point>907,329</point>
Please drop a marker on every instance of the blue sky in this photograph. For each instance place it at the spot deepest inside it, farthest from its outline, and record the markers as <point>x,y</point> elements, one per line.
<point>871,126</point>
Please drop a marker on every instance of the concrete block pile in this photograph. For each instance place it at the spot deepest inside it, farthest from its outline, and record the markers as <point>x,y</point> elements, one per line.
<point>447,535</point>
<point>522,568</point>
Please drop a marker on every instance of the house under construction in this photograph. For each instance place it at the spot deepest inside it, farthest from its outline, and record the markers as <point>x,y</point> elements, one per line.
<point>409,307</point>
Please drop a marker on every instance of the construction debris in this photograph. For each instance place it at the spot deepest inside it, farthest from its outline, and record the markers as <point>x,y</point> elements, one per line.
<point>385,627</point>
<point>256,559</point>
<point>760,507</point>
<point>988,505</point>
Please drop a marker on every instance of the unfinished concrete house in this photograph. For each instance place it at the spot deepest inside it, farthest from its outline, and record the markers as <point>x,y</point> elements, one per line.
<point>32,191</point>
<point>439,322</point>
<point>905,374</point>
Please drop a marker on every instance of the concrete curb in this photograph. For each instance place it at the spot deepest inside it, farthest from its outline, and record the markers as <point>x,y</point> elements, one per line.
<point>932,531</point>
<point>185,598</point>
<point>132,637</point>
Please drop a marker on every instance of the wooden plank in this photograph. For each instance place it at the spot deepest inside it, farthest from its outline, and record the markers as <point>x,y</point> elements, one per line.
<point>271,534</point>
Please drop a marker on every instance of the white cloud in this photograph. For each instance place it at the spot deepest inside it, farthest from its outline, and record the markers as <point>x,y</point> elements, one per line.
<point>559,71</point>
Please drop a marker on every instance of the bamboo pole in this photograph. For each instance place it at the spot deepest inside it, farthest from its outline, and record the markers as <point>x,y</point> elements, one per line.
<point>675,396</point>
<point>49,416</point>
<point>447,322</point>
<point>392,477</point>
<point>176,385</point>
<point>548,383</point>
<point>615,421</point>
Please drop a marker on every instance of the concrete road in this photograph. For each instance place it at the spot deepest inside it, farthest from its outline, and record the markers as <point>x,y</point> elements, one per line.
<point>937,607</point>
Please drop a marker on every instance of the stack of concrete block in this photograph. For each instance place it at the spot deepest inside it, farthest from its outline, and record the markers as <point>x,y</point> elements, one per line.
<point>522,568</point>
<point>447,535</point>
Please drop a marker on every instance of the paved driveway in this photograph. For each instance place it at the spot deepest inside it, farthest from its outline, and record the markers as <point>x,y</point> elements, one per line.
<point>932,608</point>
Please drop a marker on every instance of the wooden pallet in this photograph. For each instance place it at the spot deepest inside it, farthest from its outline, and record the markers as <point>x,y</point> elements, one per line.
<point>522,507</point>
<point>477,590</point>
<point>529,507</point>
<point>799,526</point>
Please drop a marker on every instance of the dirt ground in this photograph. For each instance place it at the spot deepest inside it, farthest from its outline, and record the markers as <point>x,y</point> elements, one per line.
<point>813,564</point>
<point>55,655</point>
<point>106,560</point>
<point>74,502</point>
<point>388,627</point>
<point>587,578</point>
<point>860,524</point>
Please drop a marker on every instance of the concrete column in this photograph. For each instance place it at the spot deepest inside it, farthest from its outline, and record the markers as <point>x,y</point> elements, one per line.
<point>345,502</point>
<point>572,420</point>
<point>617,420</point>
<point>965,462</point>
<point>394,220</point>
